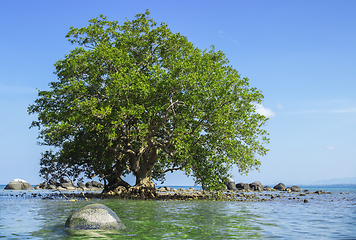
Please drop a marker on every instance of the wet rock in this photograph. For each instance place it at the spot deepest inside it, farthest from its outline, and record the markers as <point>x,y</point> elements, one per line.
<point>306,201</point>
<point>280,187</point>
<point>296,189</point>
<point>256,186</point>
<point>94,216</point>
<point>267,188</point>
<point>231,185</point>
<point>18,184</point>
<point>243,186</point>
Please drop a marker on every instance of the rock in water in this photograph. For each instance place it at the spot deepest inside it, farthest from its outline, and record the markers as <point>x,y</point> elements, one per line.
<point>296,189</point>
<point>18,184</point>
<point>280,187</point>
<point>256,186</point>
<point>94,216</point>
<point>231,185</point>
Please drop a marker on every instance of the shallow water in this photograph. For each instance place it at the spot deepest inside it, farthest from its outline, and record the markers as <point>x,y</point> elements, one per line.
<point>325,216</point>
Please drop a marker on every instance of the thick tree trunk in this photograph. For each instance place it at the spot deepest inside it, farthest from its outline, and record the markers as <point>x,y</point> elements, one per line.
<point>144,187</point>
<point>116,186</point>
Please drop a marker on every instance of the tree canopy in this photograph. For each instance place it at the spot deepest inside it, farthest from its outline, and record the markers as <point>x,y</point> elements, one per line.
<point>137,98</point>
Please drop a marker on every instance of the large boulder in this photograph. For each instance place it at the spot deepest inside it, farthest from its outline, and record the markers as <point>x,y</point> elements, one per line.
<point>18,184</point>
<point>97,184</point>
<point>81,185</point>
<point>256,186</point>
<point>94,216</point>
<point>243,186</point>
<point>296,189</point>
<point>231,185</point>
<point>280,187</point>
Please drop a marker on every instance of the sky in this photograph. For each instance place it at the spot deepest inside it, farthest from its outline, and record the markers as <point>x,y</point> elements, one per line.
<point>300,54</point>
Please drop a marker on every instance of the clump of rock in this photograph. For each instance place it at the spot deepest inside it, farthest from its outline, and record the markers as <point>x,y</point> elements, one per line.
<point>94,216</point>
<point>67,184</point>
<point>18,184</point>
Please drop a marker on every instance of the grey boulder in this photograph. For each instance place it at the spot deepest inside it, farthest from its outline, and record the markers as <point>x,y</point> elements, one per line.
<point>256,186</point>
<point>296,189</point>
<point>280,187</point>
<point>231,185</point>
<point>18,184</point>
<point>94,216</point>
<point>243,186</point>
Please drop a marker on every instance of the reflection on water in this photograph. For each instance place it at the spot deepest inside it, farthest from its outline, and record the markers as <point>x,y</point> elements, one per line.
<point>156,220</point>
<point>325,216</point>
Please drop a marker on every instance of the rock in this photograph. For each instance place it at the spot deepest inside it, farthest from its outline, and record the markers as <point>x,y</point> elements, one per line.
<point>256,186</point>
<point>306,201</point>
<point>18,184</point>
<point>81,185</point>
<point>167,188</point>
<point>231,185</point>
<point>296,189</point>
<point>51,182</point>
<point>280,187</point>
<point>162,189</point>
<point>43,185</point>
<point>267,188</point>
<point>89,185</point>
<point>65,180</point>
<point>94,216</point>
<point>243,186</point>
<point>97,184</point>
<point>67,185</point>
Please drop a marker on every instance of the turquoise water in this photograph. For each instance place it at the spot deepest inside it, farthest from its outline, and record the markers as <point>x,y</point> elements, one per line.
<point>325,216</point>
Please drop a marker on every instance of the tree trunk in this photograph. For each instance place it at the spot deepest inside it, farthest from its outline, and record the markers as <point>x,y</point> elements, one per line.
<point>144,187</point>
<point>116,186</point>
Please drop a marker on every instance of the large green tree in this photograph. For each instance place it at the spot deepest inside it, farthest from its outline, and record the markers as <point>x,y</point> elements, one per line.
<point>137,98</point>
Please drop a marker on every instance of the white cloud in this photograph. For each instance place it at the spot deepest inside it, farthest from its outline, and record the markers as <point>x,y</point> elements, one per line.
<point>267,112</point>
<point>345,110</point>
<point>330,148</point>
<point>280,106</point>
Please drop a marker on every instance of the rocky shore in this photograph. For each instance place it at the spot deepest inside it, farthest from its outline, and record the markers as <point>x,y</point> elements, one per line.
<point>254,191</point>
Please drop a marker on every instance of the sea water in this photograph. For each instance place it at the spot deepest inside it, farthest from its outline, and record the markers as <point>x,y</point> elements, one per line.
<point>325,216</point>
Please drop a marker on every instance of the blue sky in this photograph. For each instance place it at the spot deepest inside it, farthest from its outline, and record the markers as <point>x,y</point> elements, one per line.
<point>301,54</point>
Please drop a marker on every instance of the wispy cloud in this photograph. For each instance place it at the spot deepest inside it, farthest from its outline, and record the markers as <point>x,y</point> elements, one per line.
<point>330,148</point>
<point>267,112</point>
<point>345,110</point>
<point>280,106</point>
<point>223,34</point>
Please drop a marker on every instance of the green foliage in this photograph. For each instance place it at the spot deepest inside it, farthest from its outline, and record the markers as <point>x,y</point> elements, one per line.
<point>132,90</point>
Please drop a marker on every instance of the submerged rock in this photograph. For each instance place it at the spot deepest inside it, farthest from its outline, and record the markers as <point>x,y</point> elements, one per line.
<point>94,216</point>
<point>18,184</point>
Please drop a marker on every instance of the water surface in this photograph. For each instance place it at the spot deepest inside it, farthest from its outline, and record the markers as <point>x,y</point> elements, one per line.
<point>324,216</point>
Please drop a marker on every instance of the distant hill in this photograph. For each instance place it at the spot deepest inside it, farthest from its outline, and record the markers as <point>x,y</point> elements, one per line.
<point>338,181</point>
